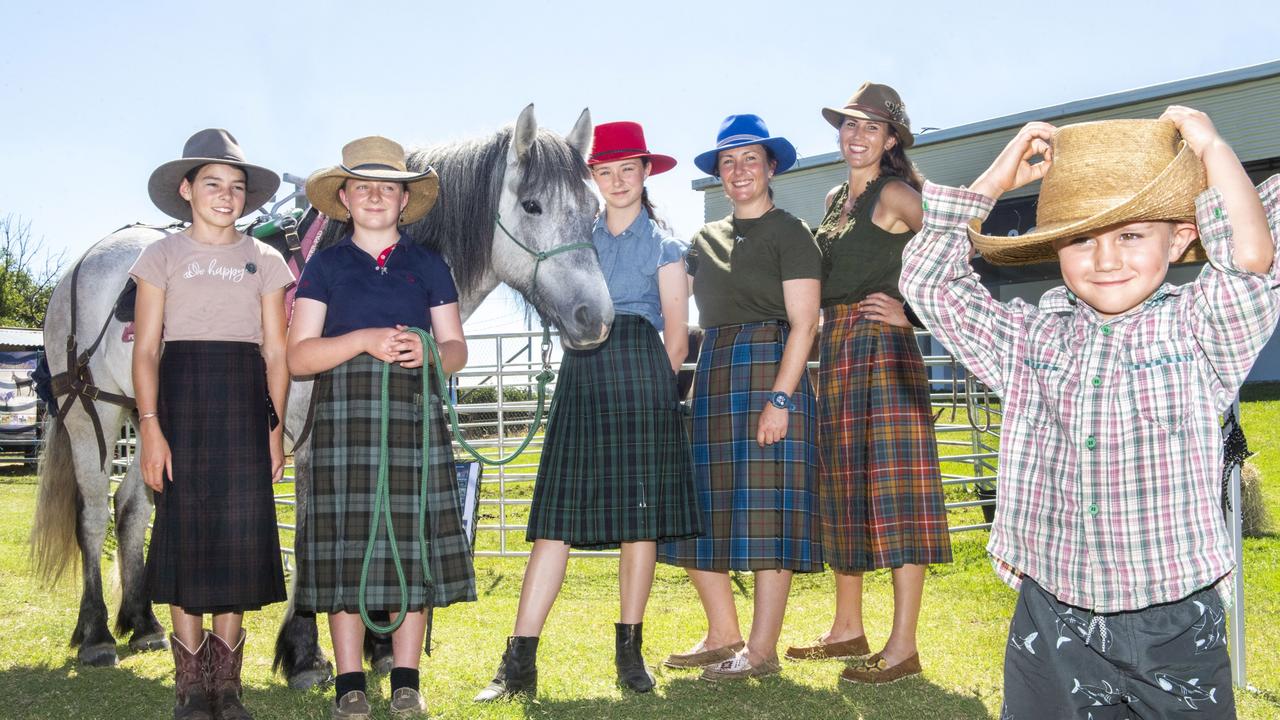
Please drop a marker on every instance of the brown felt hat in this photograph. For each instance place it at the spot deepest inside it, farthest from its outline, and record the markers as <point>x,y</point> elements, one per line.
<point>1105,173</point>
<point>207,147</point>
<point>373,158</point>
<point>874,101</point>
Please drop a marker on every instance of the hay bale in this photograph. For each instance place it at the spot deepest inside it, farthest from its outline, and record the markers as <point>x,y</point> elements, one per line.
<point>1255,520</point>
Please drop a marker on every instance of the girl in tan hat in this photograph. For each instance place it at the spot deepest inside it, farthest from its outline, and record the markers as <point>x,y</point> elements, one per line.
<point>879,478</point>
<point>356,302</point>
<point>209,450</point>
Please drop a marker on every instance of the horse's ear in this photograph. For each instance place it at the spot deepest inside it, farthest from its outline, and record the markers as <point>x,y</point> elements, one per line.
<point>523,137</point>
<point>580,137</point>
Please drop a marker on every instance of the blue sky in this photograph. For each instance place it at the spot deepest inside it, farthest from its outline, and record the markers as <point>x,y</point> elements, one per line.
<point>95,95</point>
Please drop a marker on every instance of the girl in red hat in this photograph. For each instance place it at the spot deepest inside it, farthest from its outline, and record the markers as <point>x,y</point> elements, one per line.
<point>616,469</point>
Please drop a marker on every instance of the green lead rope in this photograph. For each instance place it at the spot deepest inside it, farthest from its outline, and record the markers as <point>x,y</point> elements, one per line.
<point>382,492</point>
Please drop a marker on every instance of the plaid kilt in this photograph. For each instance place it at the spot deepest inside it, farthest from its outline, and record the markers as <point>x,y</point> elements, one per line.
<point>759,505</point>
<point>344,474</point>
<point>881,486</point>
<point>214,545</point>
<point>616,465</point>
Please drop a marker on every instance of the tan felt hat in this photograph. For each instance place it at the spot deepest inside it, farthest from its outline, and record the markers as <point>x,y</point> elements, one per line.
<point>1105,173</point>
<point>373,158</point>
<point>874,101</point>
<point>209,147</point>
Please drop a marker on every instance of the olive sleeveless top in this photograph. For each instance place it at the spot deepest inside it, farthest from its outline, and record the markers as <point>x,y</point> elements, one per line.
<point>859,257</point>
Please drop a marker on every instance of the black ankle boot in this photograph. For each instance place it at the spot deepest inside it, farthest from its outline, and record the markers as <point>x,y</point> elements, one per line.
<point>632,673</point>
<point>517,673</point>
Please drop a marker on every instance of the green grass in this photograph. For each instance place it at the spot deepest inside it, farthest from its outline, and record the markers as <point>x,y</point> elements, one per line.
<point>962,636</point>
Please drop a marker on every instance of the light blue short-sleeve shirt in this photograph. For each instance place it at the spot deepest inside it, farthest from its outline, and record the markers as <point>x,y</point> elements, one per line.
<point>630,263</point>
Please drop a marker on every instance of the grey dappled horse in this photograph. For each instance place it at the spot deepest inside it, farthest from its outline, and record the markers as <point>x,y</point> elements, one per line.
<point>534,180</point>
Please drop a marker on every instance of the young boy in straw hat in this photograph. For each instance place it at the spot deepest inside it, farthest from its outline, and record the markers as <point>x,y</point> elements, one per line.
<point>1110,458</point>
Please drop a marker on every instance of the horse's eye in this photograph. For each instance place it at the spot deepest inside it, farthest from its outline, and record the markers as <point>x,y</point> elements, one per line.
<point>532,207</point>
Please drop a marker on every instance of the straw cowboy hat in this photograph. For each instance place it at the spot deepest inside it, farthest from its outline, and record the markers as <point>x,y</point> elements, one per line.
<point>747,129</point>
<point>204,148</point>
<point>874,101</point>
<point>379,159</point>
<point>1105,173</point>
<point>624,140</point>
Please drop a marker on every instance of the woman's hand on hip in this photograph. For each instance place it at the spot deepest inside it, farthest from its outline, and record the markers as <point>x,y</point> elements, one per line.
<point>881,307</point>
<point>772,427</point>
<point>156,459</point>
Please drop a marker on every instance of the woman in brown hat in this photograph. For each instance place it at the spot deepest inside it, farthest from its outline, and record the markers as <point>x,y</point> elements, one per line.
<point>882,504</point>
<point>215,297</point>
<point>356,302</point>
<point>616,471</point>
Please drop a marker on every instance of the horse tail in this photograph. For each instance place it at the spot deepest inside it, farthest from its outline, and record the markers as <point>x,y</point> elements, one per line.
<point>53,537</point>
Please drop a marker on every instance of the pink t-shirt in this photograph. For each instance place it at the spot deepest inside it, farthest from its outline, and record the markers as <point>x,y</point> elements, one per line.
<point>212,292</point>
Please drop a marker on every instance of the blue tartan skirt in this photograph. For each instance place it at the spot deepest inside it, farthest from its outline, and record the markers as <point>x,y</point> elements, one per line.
<point>759,505</point>
<point>616,465</point>
<point>334,533</point>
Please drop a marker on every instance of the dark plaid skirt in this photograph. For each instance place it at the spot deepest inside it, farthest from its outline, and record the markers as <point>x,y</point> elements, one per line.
<point>344,474</point>
<point>616,465</point>
<point>214,545</point>
<point>881,487</point>
<point>759,505</point>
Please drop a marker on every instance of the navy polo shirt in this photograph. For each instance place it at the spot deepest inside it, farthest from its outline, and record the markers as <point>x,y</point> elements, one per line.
<point>361,291</point>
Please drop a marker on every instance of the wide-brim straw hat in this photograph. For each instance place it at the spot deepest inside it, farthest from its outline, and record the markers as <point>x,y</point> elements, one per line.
<point>623,140</point>
<point>747,129</point>
<point>874,101</point>
<point>1105,173</point>
<point>210,146</point>
<point>379,159</point>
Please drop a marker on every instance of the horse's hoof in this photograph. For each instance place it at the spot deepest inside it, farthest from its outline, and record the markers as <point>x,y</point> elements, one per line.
<point>149,642</point>
<point>314,677</point>
<point>103,655</point>
<point>382,665</point>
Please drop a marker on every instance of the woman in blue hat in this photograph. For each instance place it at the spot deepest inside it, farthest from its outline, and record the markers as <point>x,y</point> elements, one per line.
<point>755,276</point>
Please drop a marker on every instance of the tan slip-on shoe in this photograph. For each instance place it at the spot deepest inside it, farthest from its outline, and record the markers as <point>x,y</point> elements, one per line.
<point>700,658</point>
<point>843,650</point>
<point>352,706</point>
<point>408,703</point>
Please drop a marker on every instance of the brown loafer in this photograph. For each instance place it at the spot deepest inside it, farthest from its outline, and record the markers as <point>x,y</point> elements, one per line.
<point>875,671</point>
<point>843,650</point>
<point>700,658</point>
<point>739,667</point>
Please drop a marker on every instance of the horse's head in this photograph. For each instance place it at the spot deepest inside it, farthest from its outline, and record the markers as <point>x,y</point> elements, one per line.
<point>545,204</point>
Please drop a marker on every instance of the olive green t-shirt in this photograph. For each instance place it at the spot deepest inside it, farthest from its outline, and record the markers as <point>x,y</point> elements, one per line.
<point>738,266</point>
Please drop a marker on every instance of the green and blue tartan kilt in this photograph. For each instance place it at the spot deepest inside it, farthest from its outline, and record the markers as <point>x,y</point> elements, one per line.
<point>616,465</point>
<point>344,472</point>
<point>214,544</point>
<point>879,478</point>
<point>759,505</point>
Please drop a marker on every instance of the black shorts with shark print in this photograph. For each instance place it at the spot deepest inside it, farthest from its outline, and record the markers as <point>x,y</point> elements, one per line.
<point>1164,661</point>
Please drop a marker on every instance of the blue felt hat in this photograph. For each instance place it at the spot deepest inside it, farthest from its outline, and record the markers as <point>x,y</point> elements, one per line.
<point>747,129</point>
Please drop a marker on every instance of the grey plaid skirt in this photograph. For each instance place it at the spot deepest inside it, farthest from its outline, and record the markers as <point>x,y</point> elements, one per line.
<point>616,465</point>
<point>759,505</point>
<point>214,545</point>
<point>344,473</point>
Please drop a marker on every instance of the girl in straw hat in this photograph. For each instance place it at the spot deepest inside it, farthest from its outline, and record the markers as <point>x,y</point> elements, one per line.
<point>881,488</point>
<point>755,276</point>
<point>356,302</point>
<point>211,446</point>
<point>616,469</point>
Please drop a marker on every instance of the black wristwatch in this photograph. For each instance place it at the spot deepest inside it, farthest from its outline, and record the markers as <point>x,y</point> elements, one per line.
<point>781,401</point>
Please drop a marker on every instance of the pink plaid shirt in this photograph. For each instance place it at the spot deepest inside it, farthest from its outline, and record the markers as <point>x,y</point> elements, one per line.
<point>1110,453</point>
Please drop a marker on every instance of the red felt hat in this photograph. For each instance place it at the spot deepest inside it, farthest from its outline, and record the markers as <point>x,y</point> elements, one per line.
<point>623,140</point>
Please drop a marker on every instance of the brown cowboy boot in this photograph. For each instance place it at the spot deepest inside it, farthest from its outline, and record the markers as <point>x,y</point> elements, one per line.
<point>188,680</point>
<point>223,680</point>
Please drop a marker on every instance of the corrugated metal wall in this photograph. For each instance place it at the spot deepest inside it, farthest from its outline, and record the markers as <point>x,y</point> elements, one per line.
<point>1247,115</point>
